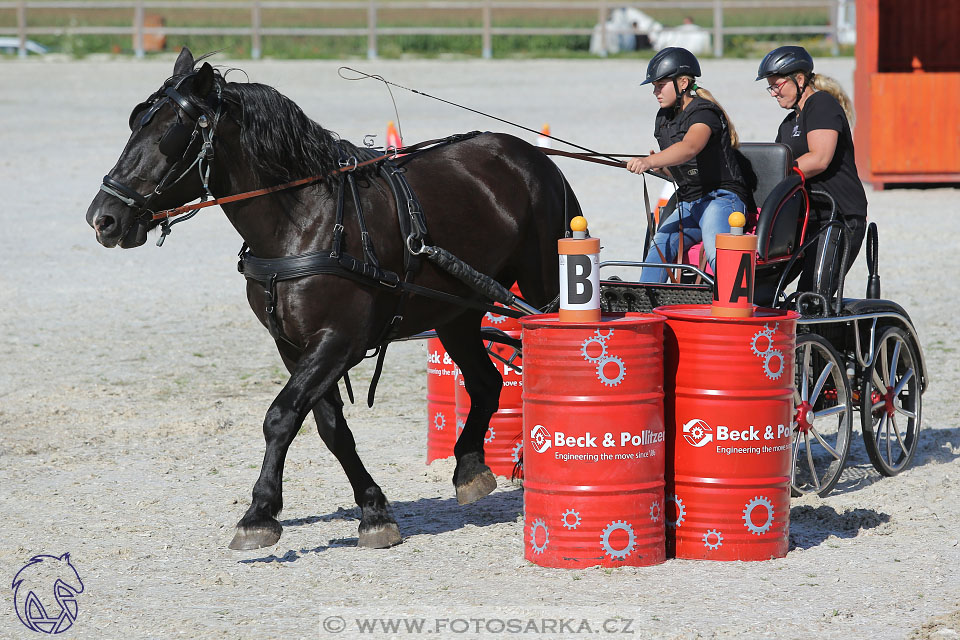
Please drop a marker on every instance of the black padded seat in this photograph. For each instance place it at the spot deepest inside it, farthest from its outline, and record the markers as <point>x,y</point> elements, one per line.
<point>769,164</point>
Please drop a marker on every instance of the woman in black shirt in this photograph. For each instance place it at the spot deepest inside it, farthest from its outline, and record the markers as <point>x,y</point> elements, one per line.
<point>817,130</point>
<point>697,141</point>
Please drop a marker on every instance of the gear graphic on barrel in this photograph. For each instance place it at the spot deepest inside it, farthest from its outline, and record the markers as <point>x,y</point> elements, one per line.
<point>517,450</point>
<point>585,348</point>
<point>539,439</point>
<point>777,355</point>
<point>655,511</point>
<point>606,379</point>
<point>764,334</point>
<point>494,318</point>
<point>716,536</point>
<point>681,511</point>
<point>439,421</point>
<point>618,554</point>
<point>539,524</point>
<point>748,515</point>
<point>490,435</point>
<point>567,523</point>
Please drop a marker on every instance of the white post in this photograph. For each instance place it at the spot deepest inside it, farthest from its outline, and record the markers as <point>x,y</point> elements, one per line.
<point>372,30</point>
<point>835,26</point>
<point>718,28</point>
<point>256,50</point>
<point>602,19</point>
<point>22,28</point>
<point>138,29</point>
<point>487,37</point>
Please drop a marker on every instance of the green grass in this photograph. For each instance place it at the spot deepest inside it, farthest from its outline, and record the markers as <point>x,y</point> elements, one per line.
<point>334,47</point>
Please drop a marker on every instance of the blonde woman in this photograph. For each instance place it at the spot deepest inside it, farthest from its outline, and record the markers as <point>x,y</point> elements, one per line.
<point>697,141</point>
<point>817,130</point>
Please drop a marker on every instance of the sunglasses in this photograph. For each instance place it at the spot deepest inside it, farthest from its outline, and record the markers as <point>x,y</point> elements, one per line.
<point>774,89</point>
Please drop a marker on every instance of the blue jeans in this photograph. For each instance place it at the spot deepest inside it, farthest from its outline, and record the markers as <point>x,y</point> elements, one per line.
<point>703,219</point>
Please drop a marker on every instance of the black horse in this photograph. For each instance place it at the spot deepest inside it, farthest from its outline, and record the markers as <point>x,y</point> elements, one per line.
<point>491,200</point>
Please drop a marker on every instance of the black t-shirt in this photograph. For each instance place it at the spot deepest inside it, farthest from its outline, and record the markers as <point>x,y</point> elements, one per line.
<point>840,180</point>
<point>715,167</point>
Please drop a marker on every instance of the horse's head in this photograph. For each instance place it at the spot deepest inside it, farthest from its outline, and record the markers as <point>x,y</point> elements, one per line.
<point>170,147</point>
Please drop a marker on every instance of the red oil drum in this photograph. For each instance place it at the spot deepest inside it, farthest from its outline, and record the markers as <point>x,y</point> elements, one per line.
<point>593,441</point>
<point>728,408</point>
<point>442,374</point>
<point>503,441</point>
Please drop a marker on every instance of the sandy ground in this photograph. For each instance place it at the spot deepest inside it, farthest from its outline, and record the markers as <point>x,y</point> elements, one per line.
<point>133,386</point>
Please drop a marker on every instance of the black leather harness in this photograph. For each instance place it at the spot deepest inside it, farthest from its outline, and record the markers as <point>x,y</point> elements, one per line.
<point>413,227</point>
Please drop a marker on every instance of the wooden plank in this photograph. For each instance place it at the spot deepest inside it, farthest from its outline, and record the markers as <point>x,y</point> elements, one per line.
<point>914,123</point>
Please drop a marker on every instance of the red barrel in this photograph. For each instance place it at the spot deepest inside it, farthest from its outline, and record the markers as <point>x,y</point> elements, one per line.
<point>503,442</point>
<point>729,411</point>
<point>593,441</point>
<point>442,374</point>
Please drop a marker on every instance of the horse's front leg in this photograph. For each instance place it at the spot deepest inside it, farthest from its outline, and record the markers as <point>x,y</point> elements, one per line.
<point>377,528</point>
<point>320,366</point>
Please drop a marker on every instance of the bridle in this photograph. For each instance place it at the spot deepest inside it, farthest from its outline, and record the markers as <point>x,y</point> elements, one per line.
<point>175,145</point>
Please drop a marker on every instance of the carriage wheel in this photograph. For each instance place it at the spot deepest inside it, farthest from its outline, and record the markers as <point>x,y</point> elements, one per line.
<point>890,403</point>
<point>823,419</point>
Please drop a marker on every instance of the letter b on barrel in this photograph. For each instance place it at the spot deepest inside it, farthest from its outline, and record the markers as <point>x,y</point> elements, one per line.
<point>579,279</point>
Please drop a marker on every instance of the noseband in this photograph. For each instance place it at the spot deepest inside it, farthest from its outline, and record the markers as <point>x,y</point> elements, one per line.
<point>174,144</point>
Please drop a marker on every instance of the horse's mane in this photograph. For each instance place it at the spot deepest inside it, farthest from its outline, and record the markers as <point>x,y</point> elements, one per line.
<point>281,143</point>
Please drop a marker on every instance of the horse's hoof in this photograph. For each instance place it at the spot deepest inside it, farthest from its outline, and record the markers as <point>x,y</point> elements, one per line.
<point>246,539</point>
<point>380,538</point>
<point>476,488</point>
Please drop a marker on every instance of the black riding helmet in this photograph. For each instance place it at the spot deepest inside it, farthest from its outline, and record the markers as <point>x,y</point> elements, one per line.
<point>672,62</point>
<point>787,61</point>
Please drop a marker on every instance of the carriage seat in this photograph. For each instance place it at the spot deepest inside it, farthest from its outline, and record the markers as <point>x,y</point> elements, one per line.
<point>767,169</point>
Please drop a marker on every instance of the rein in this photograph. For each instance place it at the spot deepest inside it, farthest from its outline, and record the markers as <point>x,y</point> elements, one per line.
<point>246,195</point>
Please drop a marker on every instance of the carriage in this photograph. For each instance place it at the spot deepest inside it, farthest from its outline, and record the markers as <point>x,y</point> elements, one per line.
<point>340,257</point>
<point>854,356</point>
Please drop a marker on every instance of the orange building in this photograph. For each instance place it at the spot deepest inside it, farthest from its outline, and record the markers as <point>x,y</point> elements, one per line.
<point>907,91</point>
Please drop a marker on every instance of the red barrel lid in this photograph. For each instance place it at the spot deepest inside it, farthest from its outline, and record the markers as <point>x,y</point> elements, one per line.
<point>701,313</point>
<point>552,320</point>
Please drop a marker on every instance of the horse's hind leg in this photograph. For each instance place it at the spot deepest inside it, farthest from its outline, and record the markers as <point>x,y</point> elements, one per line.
<point>461,338</point>
<point>378,529</point>
<point>316,371</point>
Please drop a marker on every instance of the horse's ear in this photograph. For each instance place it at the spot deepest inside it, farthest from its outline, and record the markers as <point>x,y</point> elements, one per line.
<point>184,63</point>
<point>203,82</point>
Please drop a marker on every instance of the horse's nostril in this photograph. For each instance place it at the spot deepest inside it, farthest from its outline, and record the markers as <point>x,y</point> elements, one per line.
<point>105,225</point>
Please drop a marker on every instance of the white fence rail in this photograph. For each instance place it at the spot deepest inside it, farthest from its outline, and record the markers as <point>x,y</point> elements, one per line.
<point>256,30</point>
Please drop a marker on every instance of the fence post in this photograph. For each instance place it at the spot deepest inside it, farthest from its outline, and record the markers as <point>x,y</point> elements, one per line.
<point>22,28</point>
<point>372,30</point>
<point>718,28</point>
<point>835,28</point>
<point>487,37</point>
<point>602,20</point>
<point>138,29</point>
<point>256,49</point>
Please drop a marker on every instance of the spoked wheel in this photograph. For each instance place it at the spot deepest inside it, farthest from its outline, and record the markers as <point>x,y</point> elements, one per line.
<point>890,403</point>
<point>823,419</point>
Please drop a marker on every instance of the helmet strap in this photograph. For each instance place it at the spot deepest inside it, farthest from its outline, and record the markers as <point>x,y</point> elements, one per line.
<point>808,78</point>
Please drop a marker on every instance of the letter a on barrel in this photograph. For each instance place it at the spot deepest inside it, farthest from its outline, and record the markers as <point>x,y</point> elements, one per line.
<point>736,264</point>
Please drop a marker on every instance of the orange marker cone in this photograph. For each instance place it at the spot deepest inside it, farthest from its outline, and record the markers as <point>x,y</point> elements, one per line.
<point>393,138</point>
<point>665,194</point>
<point>542,139</point>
